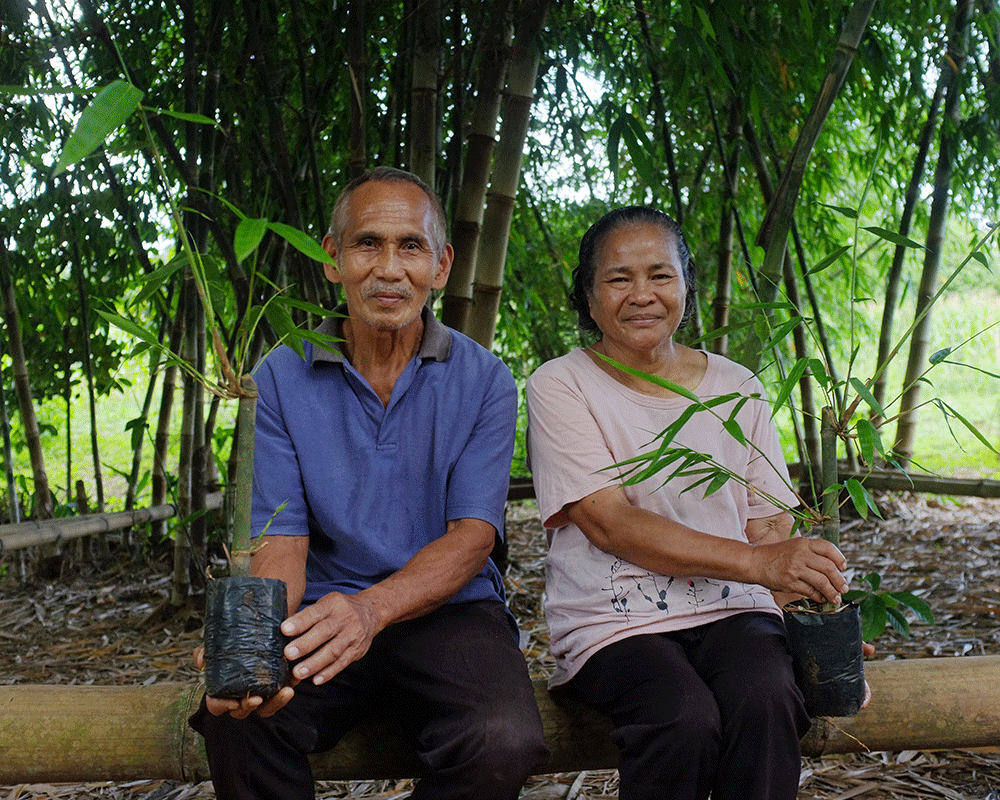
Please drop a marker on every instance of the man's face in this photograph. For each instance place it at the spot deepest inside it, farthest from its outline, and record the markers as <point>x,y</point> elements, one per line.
<point>386,258</point>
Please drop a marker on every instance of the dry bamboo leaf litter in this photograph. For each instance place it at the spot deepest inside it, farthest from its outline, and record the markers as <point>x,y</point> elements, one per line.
<point>100,626</point>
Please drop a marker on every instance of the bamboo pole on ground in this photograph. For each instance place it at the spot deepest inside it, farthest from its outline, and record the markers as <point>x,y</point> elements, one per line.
<point>94,733</point>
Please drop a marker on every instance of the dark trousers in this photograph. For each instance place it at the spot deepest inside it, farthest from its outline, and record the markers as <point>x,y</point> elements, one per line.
<point>713,709</point>
<point>461,679</point>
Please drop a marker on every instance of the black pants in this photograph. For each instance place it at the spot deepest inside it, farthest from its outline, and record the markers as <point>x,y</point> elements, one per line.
<point>459,674</point>
<point>710,709</point>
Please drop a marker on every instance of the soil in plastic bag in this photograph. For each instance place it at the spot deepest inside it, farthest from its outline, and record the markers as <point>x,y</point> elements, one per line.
<point>827,659</point>
<point>243,640</point>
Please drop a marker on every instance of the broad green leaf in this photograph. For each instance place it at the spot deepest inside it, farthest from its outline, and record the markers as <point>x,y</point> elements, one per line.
<point>895,238</point>
<point>301,241</point>
<point>868,397</point>
<point>284,327</point>
<point>869,440</point>
<point>874,580</point>
<point>857,493</point>
<point>873,617</point>
<point>916,604</point>
<point>249,233</point>
<point>112,106</point>
<point>899,623</point>
<point>828,260</point>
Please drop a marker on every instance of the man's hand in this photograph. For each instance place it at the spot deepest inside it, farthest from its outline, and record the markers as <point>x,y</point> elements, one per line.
<point>333,632</point>
<point>806,567</point>
<point>243,708</point>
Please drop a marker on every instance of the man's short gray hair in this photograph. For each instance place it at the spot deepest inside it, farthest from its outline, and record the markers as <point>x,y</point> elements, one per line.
<point>338,219</point>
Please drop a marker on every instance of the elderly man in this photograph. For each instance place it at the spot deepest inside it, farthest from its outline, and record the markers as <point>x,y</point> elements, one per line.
<point>388,458</point>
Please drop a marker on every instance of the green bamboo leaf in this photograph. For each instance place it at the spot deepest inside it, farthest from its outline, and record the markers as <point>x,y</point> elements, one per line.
<point>969,426</point>
<point>981,258</point>
<point>284,326</point>
<point>779,333</point>
<point>788,384</point>
<point>870,441</point>
<point>828,260</point>
<point>181,115</point>
<point>106,113</point>
<point>676,388</point>
<point>857,494</point>
<point>249,233</point>
<point>895,238</point>
<point>850,213</point>
<point>720,480</point>
<point>638,147</point>
<point>868,397</point>
<point>301,241</point>
<point>131,327</point>
<point>734,430</point>
<point>302,305</point>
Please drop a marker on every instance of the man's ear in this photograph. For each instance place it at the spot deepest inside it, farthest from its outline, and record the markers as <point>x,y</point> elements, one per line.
<point>332,273</point>
<point>444,267</point>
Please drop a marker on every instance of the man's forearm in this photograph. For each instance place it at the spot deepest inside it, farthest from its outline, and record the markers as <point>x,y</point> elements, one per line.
<point>284,558</point>
<point>434,574</point>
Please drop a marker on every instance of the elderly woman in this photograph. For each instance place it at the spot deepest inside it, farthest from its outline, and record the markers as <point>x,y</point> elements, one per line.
<point>660,600</point>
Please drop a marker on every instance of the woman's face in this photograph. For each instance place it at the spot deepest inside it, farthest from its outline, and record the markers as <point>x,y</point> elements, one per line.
<point>638,296</point>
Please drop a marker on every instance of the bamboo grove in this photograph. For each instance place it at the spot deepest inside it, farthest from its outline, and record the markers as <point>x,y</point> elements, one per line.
<point>820,155</point>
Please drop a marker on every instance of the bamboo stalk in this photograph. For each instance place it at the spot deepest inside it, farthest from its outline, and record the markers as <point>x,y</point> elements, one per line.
<point>247,413</point>
<point>95,733</point>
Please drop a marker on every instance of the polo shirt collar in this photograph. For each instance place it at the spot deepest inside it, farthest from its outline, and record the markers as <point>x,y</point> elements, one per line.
<point>435,344</point>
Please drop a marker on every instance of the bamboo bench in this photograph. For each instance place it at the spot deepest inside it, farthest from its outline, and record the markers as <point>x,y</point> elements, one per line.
<point>118,733</point>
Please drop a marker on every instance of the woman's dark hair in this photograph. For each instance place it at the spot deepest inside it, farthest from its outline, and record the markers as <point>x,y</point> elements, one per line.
<point>583,274</point>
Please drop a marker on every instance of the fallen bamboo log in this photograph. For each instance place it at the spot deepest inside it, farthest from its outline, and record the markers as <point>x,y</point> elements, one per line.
<point>53,531</point>
<point>117,733</point>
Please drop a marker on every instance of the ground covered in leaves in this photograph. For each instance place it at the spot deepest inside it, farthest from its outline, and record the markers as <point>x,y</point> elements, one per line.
<point>101,625</point>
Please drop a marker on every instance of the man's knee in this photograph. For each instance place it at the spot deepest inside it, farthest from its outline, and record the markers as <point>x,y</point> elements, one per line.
<point>503,743</point>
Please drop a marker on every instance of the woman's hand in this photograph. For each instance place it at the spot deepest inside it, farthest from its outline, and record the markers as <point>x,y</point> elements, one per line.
<point>807,567</point>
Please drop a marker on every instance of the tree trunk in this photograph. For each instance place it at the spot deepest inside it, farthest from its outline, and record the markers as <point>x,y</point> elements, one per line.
<point>727,222</point>
<point>773,235</point>
<point>357,65</point>
<point>22,386</point>
<point>185,467</point>
<point>936,227</point>
<point>660,115</point>
<point>468,218</point>
<point>899,255</point>
<point>506,173</point>
<point>8,455</point>
<point>422,127</point>
<point>88,368</point>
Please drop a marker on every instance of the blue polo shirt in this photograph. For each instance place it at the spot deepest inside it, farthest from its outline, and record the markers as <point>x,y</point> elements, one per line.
<point>369,484</point>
